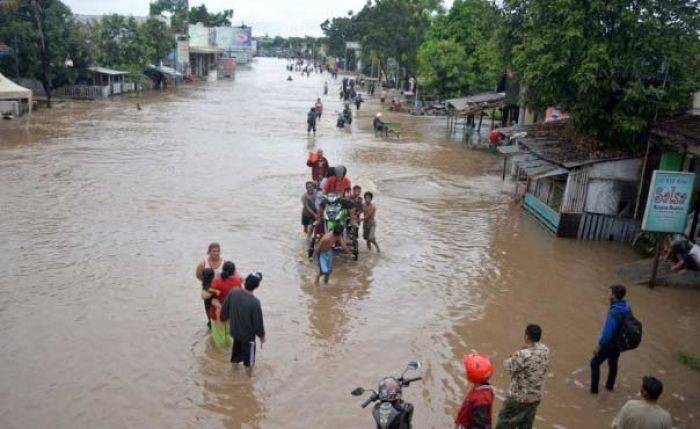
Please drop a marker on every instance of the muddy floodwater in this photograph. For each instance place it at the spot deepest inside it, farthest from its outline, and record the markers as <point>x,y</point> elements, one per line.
<point>106,210</point>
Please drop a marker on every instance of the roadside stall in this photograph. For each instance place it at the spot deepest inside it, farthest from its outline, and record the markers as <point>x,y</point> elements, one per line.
<point>12,98</point>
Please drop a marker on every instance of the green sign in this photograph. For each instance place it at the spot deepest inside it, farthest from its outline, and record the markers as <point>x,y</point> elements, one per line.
<point>668,201</point>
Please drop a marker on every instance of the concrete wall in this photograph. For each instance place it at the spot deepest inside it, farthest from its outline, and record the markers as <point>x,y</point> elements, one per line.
<point>628,169</point>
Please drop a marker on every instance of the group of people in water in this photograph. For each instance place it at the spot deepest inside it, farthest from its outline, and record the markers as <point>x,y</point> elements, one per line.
<point>234,314</point>
<point>327,180</point>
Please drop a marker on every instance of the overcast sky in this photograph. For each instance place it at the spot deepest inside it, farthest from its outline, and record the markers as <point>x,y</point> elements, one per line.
<point>273,17</point>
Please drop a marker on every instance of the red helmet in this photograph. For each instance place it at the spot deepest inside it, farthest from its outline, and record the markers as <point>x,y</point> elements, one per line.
<point>478,366</point>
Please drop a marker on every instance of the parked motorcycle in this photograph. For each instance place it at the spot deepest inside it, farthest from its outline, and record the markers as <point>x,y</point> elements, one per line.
<point>391,412</point>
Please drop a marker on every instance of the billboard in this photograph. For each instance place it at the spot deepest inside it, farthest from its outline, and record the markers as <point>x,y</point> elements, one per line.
<point>668,201</point>
<point>232,38</point>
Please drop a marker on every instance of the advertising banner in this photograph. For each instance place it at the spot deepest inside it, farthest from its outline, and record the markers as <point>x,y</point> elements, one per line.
<point>668,201</point>
<point>233,38</point>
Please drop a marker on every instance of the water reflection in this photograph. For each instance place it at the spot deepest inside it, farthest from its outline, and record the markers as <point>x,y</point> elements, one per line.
<point>331,307</point>
<point>227,390</point>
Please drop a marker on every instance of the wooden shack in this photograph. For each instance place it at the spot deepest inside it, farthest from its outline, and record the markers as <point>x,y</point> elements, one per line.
<point>575,191</point>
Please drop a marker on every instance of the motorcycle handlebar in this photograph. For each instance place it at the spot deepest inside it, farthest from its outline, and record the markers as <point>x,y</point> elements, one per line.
<point>369,401</point>
<point>408,381</point>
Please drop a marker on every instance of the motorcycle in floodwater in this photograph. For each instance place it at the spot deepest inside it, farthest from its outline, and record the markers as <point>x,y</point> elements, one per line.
<point>347,114</point>
<point>337,215</point>
<point>340,122</point>
<point>391,412</point>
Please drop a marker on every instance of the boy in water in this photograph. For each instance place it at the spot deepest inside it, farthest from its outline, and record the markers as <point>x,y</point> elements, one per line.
<point>308,206</point>
<point>356,205</point>
<point>369,225</point>
<point>324,252</point>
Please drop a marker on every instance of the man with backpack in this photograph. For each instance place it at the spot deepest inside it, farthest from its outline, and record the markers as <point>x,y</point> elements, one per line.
<point>621,332</point>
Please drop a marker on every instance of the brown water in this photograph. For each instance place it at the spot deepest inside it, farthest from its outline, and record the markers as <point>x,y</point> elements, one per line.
<point>105,211</point>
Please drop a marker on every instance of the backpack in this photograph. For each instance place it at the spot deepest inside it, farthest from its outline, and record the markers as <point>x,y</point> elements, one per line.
<point>629,333</point>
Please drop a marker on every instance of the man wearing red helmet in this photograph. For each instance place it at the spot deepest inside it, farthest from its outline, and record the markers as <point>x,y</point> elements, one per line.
<point>475,412</point>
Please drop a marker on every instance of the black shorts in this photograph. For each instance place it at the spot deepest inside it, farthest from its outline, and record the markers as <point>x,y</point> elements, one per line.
<point>690,262</point>
<point>307,220</point>
<point>243,351</point>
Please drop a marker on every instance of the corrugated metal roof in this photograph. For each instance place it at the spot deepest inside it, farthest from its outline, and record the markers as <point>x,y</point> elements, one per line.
<point>569,155</point>
<point>477,101</point>
<point>104,70</point>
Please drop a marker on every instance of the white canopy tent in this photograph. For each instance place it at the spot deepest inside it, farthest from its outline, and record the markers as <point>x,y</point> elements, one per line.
<point>11,91</point>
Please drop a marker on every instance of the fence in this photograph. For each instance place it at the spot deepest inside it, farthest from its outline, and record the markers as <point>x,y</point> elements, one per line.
<point>82,92</point>
<point>595,226</point>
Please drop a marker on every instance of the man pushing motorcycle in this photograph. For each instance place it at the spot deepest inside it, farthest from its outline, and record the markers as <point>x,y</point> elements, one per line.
<point>323,251</point>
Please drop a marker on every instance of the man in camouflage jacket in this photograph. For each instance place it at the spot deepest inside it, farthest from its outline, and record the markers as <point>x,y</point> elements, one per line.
<point>528,369</point>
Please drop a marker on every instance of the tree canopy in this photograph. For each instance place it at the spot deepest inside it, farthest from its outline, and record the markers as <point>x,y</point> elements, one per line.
<point>614,64</point>
<point>114,41</point>
<point>460,55</point>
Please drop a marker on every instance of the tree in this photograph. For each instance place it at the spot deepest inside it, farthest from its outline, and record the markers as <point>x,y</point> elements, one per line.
<point>338,31</point>
<point>614,64</point>
<point>444,67</point>
<point>469,26</point>
<point>377,25</point>
<point>179,15</point>
<point>201,14</point>
<point>42,34</point>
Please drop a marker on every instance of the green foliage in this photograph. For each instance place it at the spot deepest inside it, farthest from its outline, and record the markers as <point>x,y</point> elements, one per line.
<point>121,43</point>
<point>688,360</point>
<point>338,31</point>
<point>201,14</point>
<point>179,15</point>
<point>444,67</point>
<point>43,37</point>
<point>613,64</point>
<point>461,56</point>
<point>395,29</point>
<point>116,41</point>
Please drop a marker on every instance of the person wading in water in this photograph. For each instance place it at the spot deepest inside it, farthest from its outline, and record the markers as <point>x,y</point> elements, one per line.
<point>214,263</point>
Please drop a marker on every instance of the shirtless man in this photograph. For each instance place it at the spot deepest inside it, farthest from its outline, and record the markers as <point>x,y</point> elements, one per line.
<point>324,252</point>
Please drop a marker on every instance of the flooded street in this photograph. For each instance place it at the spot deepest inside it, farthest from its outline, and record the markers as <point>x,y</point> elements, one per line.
<point>106,210</point>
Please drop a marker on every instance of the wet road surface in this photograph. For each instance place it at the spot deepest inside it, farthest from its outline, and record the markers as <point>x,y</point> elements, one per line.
<point>106,210</point>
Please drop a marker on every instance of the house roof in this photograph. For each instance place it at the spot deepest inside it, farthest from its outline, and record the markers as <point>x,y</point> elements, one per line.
<point>567,154</point>
<point>104,70</point>
<point>476,102</point>
<point>682,132</point>
<point>163,69</point>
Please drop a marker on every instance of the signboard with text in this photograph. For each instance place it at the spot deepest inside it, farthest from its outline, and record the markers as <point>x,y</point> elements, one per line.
<point>668,201</point>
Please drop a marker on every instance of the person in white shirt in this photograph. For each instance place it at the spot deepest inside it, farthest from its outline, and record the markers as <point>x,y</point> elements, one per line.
<point>644,413</point>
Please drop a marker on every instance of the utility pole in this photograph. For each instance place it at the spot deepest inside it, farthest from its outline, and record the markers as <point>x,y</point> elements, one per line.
<point>16,56</point>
